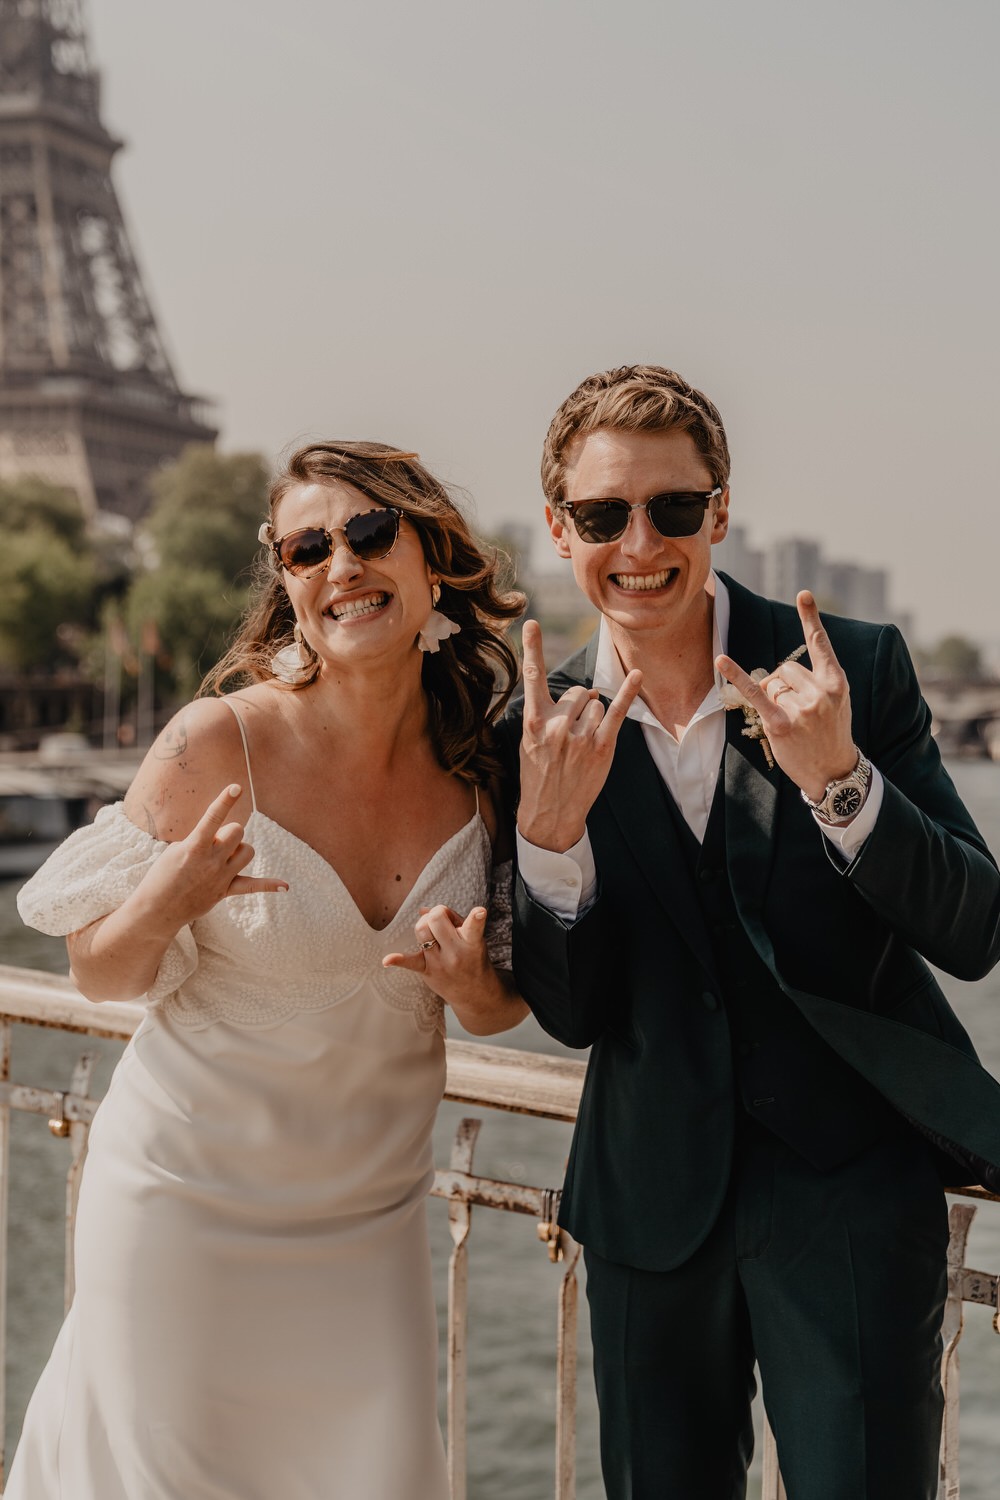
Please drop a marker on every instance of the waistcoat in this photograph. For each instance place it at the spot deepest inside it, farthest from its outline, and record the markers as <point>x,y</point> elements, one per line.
<point>787,1079</point>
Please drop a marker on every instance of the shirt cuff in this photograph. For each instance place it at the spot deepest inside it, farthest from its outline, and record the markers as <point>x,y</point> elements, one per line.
<point>565,884</point>
<point>848,837</point>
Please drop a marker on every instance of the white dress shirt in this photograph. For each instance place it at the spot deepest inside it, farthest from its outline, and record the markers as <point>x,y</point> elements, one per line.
<point>689,765</point>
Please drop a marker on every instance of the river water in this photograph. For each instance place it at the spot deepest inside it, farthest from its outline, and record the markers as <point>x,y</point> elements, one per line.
<point>513,1285</point>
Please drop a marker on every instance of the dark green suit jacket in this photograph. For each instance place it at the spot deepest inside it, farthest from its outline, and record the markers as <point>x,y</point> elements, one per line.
<point>634,976</point>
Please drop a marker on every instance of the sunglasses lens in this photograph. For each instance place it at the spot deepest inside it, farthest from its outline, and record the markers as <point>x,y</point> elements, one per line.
<point>303,552</point>
<point>600,520</point>
<point>373,534</point>
<point>677,515</point>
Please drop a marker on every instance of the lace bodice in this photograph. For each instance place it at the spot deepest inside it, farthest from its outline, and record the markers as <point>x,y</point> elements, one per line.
<point>255,960</point>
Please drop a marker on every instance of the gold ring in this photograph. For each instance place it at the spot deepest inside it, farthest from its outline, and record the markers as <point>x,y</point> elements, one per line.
<point>786,687</point>
<point>430,943</point>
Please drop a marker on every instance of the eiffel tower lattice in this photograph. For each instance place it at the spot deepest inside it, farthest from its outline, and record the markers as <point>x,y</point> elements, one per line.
<point>88,397</point>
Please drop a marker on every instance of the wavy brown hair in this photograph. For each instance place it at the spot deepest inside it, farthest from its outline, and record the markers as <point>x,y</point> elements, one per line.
<point>633,398</point>
<point>469,680</point>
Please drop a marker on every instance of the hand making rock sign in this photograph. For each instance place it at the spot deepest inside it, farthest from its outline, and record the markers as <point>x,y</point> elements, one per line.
<point>805,713</point>
<point>566,749</point>
<point>191,876</point>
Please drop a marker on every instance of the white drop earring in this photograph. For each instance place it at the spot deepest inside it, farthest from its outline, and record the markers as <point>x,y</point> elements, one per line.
<point>437,627</point>
<point>293,664</point>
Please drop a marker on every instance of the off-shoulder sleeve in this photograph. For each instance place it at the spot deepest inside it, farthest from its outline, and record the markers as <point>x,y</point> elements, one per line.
<point>499,920</point>
<point>90,875</point>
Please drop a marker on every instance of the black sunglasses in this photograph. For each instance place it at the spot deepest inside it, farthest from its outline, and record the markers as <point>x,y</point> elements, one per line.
<point>677,513</point>
<point>370,535</point>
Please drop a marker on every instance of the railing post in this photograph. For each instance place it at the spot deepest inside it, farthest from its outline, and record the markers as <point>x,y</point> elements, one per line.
<point>460,1224</point>
<point>566,1373</point>
<point>5,1031</point>
<point>79,1135</point>
<point>960,1219</point>
<point>772,1485</point>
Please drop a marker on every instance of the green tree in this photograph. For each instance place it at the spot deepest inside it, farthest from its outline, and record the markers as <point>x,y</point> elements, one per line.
<point>207,507</point>
<point>201,538</point>
<point>956,657</point>
<point>46,589</point>
<point>32,504</point>
<point>193,611</point>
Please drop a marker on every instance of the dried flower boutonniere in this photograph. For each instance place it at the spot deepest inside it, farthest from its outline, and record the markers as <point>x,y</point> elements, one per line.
<point>733,698</point>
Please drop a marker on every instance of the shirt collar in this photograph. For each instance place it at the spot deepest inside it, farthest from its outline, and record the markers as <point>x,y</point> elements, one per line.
<point>609,674</point>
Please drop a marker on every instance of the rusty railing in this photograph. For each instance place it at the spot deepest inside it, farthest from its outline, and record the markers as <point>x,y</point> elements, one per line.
<point>480,1076</point>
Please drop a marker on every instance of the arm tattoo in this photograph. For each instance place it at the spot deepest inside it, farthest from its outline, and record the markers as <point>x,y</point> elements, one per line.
<point>150,821</point>
<point>172,743</point>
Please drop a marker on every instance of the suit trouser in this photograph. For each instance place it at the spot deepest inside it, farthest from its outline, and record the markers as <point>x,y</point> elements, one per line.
<point>834,1282</point>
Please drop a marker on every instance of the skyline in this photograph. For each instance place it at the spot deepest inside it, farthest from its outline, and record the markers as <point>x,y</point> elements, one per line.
<point>427,227</point>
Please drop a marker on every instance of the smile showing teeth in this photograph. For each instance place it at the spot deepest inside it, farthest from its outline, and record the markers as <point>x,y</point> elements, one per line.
<point>636,582</point>
<point>366,605</point>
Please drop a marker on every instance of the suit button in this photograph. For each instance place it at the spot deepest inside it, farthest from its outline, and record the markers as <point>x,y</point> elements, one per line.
<point>746,1049</point>
<point>707,875</point>
<point>710,1001</point>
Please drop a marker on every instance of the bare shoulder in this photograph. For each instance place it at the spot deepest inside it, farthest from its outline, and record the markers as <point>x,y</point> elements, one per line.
<point>198,754</point>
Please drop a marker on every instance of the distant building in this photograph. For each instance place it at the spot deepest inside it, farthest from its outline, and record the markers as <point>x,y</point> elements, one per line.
<point>88,396</point>
<point>849,589</point>
<point>791,565</point>
<point>736,557</point>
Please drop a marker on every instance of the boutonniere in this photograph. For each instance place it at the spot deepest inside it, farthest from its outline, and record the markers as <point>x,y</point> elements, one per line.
<point>733,698</point>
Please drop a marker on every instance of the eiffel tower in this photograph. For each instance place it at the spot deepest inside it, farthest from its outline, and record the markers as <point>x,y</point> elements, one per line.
<point>88,397</point>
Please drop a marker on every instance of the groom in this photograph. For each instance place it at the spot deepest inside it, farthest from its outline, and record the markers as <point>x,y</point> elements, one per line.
<point>734,909</point>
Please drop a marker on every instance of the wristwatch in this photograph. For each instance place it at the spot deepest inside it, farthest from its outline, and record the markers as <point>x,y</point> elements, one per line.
<point>845,797</point>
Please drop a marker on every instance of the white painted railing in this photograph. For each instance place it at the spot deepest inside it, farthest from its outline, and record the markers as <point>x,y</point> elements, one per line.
<point>478,1075</point>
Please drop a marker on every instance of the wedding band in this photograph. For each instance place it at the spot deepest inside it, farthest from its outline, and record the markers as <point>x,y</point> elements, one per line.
<point>786,687</point>
<point>430,943</point>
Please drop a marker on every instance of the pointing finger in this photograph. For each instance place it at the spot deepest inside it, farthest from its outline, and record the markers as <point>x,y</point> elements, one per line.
<point>414,961</point>
<point>742,682</point>
<point>537,697</point>
<point>249,885</point>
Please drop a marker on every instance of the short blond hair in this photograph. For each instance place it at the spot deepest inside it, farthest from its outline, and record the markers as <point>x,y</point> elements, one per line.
<point>633,398</point>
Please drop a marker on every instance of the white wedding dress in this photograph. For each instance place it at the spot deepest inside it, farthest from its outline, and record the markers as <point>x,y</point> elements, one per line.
<point>254,1317</point>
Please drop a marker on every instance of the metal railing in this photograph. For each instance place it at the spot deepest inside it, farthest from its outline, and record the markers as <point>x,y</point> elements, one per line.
<point>479,1075</point>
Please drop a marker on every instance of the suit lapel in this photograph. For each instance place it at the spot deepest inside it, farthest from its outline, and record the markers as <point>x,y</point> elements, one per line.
<point>751,787</point>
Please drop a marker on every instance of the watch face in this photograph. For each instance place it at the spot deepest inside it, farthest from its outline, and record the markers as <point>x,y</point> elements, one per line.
<point>846,801</point>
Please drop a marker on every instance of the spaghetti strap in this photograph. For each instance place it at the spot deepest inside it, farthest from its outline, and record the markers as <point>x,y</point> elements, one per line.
<point>246,751</point>
<point>476,790</point>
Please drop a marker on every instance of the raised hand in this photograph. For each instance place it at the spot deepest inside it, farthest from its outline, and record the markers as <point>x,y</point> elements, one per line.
<point>195,873</point>
<point>452,957</point>
<point>451,952</point>
<point>566,750</point>
<point>118,956</point>
<point>806,714</point>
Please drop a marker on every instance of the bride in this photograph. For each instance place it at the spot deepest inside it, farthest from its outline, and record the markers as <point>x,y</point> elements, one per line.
<point>299,879</point>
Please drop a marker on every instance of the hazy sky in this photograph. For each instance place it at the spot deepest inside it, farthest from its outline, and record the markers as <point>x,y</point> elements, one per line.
<point>424,223</point>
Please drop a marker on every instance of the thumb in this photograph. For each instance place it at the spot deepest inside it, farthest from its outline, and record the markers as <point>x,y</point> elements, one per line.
<point>474,926</point>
